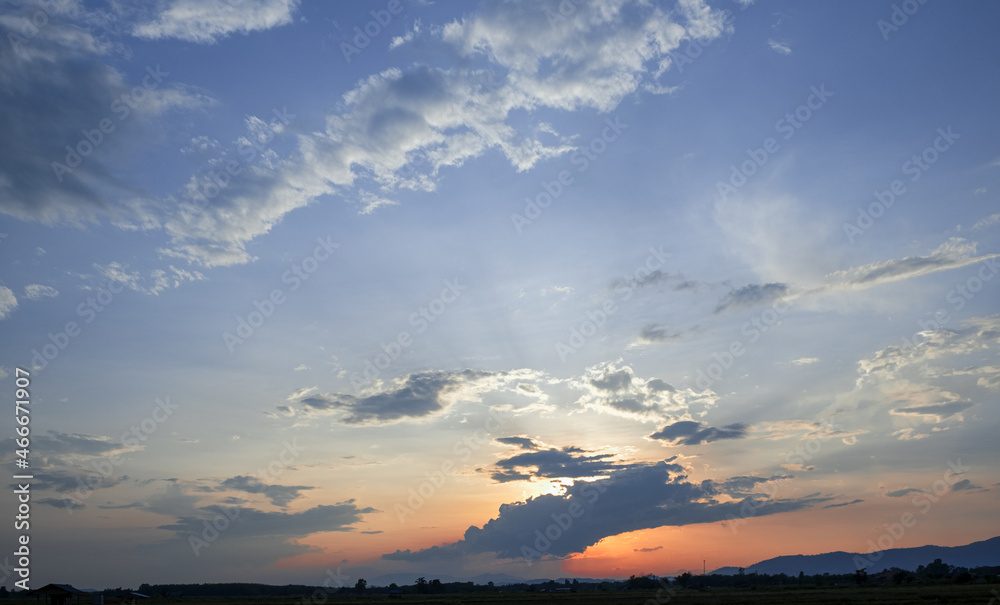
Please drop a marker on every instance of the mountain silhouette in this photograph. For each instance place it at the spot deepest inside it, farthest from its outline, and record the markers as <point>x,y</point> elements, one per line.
<point>977,554</point>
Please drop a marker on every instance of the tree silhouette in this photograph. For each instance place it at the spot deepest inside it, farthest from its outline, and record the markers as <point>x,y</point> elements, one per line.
<point>935,570</point>
<point>360,586</point>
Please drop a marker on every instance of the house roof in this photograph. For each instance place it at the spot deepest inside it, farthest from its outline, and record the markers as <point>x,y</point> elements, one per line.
<point>58,589</point>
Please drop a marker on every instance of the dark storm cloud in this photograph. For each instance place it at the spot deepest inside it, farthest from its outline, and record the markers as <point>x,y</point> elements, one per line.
<point>279,495</point>
<point>744,486</point>
<point>418,396</point>
<point>57,445</point>
<point>62,503</point>
<point>899,493</point>
<point>66,482</point>
<point>250,523</point>
<point>522,442</point>
<point>689,432</point>
<point>965,484</point>
<point>566,463</point>
<point>752,294</point>
<point>642,497</point>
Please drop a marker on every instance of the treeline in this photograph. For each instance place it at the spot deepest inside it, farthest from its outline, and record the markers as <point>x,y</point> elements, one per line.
<point>231,589</point>
<point>936,572</point>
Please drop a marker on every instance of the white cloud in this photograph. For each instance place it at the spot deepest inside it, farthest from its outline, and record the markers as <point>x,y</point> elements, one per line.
<point>371,202</point>
<point>613,388</point>
<point>207,22</point>
<point>953,254</point>
<point>804,361</point>
<point>158,280</point>
<point>8,302</point>
<point>927,385</point>
<point>66,60</point>
<point>993,219</point>
<point>940,346</point>
<point>407,37</point>
<point>38,292</point>
<point>779,47</point>
<point>399,128</point>
<point>396,130</point>
<point>200,144</point>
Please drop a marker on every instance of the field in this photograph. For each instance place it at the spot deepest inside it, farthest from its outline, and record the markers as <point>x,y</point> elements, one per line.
<point>981,594</point>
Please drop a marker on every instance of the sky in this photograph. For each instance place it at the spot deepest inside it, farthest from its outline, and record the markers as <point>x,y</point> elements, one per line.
<point>381,289</point>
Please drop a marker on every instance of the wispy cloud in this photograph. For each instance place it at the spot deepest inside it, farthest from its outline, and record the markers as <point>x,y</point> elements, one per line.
<point>840,504</point>
<point>782,48</point>
<point>209,22</point>
<point>8,302</point>
<point>751,295</point>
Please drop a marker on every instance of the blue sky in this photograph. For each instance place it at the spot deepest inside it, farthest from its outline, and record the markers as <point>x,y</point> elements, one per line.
<point>689,255</point>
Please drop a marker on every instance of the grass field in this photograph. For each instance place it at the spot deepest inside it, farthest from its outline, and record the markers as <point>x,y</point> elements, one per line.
<point>981,594</point>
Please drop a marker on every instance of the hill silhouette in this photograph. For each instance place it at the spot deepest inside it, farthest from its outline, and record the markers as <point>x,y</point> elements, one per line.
<point>977,554</point>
